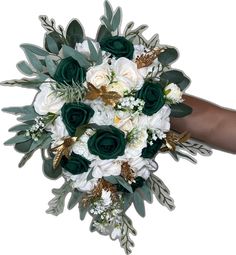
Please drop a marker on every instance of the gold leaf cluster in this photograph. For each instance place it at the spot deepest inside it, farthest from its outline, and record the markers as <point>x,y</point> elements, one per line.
<point>172,139</point>
<point>63,150</point>
<point>108,97</point>
<point>127,172</point>
<point>147,59</point>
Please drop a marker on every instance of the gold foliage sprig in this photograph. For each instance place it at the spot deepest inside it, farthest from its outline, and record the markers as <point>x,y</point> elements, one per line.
<point>108,97</point>
<point>147,59</point>
<point>173,139</point>
<point>63,150</point>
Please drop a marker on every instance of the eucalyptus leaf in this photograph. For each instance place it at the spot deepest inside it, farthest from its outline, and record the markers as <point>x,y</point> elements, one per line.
<point>139,204</point>
<point>83,211</point>
<point>57,204</point>
<point>49,171</point>
<point>146,193</point>
<point>180,110</point>
<point>107,23</point>
<point>34,61</point>
<point>102,33</point>
<point>124,184</point>
<point>18,110</point>
<point>21,127</point>
<point>116,20</point>
<point>57,39</point>
<point>93,51</point>
<point>168,56</point>
<point>74,33</point>
<point>51,66</point>
<point>17,139</point>
<point>75,198</point>
<point>23,147</point>
<point>51,44</point>
<point>69,52</point>
<point>108,10</point>
<point>26,157</point>
<point>24,67</point>
<point>128,200</point>
<point>112,179</point>
<point>35,49</point>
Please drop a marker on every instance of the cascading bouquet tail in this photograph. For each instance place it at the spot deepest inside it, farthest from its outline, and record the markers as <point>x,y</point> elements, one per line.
<point>100,117</point>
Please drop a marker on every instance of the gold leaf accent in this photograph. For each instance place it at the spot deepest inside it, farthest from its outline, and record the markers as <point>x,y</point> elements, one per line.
<point>97,192</point>
<point>172,139</point>
<point>147,59</point>
<point>63,150</point>
<point>108,97</point>
<point>127,172</point>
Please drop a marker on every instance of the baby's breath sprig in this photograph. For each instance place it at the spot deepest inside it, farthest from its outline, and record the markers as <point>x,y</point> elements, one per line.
<point>130,104</point>
<point>71,93</point>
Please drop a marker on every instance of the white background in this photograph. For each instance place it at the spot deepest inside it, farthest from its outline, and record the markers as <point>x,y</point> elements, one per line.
<point>204,221</point>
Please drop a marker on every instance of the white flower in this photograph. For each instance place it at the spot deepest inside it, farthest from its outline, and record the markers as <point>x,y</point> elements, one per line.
<point>99,75</point>
<point>80,181</point>
<point>106,198</point>
<point>139,49</point>
<point>103,115</point>
<point>84,48</point>
<point>116,233</point>
<point>81,147</point>
<point>137,143</point>
<point>46,101</point>
<point>105,168</point>
<point>173,93</point>
<point>58,130</point>
<point>159,120</point>
<point>138,165</point>
<point>126,72</point>
<point>118,86</point>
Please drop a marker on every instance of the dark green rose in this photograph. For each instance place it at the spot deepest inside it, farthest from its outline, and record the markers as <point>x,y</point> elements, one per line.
<point>75,115</point>
<point>107,143</point>
<point>76,164</point>
<point>153,96</point>
<point>69,70</point>
<point>139,181</point>
<point>118,46</point>
<point>151,150</point>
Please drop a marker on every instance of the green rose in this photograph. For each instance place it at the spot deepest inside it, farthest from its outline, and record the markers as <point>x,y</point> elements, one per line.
<point>69,70</point>
<point>151,150</point>
<point>107,143</point>
<point>75,115</point>
<point>153,96</point>
<point>118,46</point>
<point>76,164</point>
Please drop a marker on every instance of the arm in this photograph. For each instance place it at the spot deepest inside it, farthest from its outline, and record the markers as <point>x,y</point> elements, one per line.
<point>210,123</point>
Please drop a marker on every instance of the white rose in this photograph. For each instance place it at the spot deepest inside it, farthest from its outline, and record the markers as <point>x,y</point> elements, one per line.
<point>135,146</point>
<point>138,165</point>
<point>103,114</point>
<point>58,130</point>
<point>81,147</point>
<point>173,93</point>
<point>119,87</point>
<point>126,72</point>
<point>99,75</point>
<point>84,47</point>
<point>105,168</point>
<point>80,181</point>
<point>159,120</point>
<point>46,101</point>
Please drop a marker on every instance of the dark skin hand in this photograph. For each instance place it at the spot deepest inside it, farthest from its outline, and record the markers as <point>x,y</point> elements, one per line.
<point>210,123</point>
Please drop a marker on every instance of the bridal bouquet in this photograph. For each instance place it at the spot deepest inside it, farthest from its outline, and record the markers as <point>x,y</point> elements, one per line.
<point>100,116</point>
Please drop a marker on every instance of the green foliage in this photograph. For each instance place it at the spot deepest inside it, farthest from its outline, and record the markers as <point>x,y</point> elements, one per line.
<point>17,139</point>
<point>25,83</point>
<point>75,198</point>
<point>51,44</point>
<point>139,204</point>
<point>102,33</point>
<point>23,147</point>
<point>57,204</point>
<point>74,33</point>
<point>33,60</point>
<point>24,67</point>
<point>95,56</point>
<point>69,52</point>
<point>127,229</point>
<point>111,19</point>
<point>168,56</point>
<point>175,76</point>
<point>51,66</point>
<point>160,191</point>
<point>180,110</point>
<point>35,49</point>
